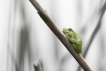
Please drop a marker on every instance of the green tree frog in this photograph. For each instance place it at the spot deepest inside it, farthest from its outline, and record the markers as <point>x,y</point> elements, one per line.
<point>74,39</point>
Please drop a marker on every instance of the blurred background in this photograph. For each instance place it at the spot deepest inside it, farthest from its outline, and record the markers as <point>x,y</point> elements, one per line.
<point>24,37</point>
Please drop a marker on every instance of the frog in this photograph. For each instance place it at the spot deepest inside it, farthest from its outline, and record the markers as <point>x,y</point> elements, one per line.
<point>73,38</point>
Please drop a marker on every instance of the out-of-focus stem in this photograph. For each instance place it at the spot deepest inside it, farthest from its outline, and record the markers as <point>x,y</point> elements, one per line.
<point>37,65</point>
<point>102,11</point>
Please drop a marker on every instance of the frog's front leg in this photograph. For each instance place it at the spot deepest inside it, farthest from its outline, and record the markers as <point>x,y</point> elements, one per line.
<point>72,40</point>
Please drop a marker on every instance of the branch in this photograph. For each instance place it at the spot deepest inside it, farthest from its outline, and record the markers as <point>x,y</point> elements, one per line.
<point>51,24</point>
<point>37,65</point>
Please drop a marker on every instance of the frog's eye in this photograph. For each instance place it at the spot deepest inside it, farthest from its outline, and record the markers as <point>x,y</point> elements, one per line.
<point>70,29</point>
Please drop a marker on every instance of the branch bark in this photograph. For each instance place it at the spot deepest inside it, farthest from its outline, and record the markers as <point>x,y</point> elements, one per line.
<point>51,24</point>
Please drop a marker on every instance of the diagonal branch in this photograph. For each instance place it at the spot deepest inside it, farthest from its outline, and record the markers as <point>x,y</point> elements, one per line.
<point>51,24</point>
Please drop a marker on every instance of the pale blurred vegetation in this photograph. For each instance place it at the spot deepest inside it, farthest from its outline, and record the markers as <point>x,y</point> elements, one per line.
<point>24,37</point>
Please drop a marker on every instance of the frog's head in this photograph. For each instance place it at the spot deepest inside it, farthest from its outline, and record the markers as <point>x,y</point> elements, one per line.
<point>68,32</point>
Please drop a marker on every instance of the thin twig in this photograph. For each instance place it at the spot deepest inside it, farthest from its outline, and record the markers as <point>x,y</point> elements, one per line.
<point>37,65</point>
<point>51,24</point>
<point>94,33</point>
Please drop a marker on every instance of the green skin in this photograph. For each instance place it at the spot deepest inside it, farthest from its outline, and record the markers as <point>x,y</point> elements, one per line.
<point>74,39</point>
